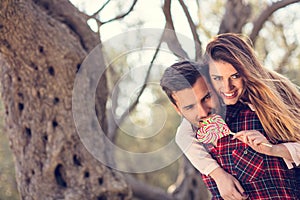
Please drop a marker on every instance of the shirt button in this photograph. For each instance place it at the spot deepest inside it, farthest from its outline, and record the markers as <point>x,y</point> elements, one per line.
<point>245,152</point>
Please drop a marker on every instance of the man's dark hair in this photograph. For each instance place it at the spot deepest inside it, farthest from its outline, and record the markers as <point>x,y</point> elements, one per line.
<point>182,75</point>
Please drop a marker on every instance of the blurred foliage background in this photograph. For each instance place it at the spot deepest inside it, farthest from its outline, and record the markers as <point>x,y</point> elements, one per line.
<point>8,185</point>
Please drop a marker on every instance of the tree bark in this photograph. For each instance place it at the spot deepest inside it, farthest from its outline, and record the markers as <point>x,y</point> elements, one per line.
<point>39,57</point>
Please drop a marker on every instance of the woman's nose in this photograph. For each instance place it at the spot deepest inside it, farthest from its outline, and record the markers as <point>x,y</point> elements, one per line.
<point>227,85</point>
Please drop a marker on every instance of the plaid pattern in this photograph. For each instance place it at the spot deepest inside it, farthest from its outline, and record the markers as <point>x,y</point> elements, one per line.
<point>262,176</point>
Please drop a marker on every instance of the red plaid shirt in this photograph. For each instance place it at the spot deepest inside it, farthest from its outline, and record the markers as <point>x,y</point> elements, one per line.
<point>262,176</point>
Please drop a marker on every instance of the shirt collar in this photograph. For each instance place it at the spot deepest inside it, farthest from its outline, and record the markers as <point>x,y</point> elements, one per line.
<point>233,110</point>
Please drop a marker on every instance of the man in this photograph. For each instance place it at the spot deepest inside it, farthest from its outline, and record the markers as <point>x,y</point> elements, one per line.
<point>186,85</point>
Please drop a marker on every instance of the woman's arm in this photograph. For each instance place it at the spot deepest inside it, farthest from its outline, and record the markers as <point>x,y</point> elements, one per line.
<point>289,151</point>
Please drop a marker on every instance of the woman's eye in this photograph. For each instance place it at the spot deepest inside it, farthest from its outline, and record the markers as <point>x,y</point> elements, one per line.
<point>235,76</point>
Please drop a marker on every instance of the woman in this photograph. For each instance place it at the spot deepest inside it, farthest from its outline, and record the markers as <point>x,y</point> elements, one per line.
<point>273,97</point>
<point>257,99</point>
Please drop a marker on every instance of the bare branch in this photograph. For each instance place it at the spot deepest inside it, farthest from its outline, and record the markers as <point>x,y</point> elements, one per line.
<point>170,36</point>
<point>113,129</point>
<point>265,14</point>
<point>193,29</point>
<point>122,15</point>
<point>98,11</point>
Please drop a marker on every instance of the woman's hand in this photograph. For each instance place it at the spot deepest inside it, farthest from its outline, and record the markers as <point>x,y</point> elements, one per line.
<point>255,140</point>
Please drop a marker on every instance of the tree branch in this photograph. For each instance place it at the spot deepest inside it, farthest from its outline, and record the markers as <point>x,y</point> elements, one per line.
<point>170,37</point>
<point>122,15</point>
<point>265,14</point>
<point>98,11</point>
<point>113,129</point>
<point>194,31</point>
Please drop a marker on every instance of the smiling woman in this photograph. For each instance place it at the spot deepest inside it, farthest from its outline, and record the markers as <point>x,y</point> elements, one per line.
<point>226,81</point>
<point>253,105</point>
<point>259,100</point>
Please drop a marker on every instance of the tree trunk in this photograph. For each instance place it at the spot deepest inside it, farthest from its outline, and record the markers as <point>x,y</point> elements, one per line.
<point>39,57</point>
<point>189,184</point>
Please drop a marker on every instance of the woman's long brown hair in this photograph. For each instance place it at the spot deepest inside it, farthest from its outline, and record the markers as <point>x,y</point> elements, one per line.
<point>275,98</point>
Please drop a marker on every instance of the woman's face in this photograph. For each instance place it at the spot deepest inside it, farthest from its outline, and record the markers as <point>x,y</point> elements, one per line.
<point>227,81</point>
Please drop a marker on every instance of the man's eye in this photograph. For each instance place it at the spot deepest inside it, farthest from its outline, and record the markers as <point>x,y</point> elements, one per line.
<point>208,96</point>
<point>188,107</point>
<point>216,78</point>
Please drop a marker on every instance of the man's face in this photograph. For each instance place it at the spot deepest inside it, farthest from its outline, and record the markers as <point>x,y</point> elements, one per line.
<point>197,102</point>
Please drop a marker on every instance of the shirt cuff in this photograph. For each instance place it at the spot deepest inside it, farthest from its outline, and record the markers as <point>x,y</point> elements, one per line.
<point>294,150</point>
<point>206,171</point>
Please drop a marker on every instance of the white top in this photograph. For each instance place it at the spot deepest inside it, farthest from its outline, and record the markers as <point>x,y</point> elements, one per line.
<point>193,149</point>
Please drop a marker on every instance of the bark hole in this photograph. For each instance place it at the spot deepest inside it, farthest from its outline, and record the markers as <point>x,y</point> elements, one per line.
<point>20,94</point>
<point>76,160</point>
<point>100,181</point>
<point>86,174</point>
<point>58,173</point>
<point>78,67</point>
<point>194,182</point>
<point>191,194</point>
<point>41,49</point>
<point>102,197</point>
<point>122,196</point>
<point>51,71</point>
<point>38,94</point>
<point>45,138</point>
<point>6,44</point>
<point>28,132</point>
<point>45,5</point>
<point>27,180</point>
<point>54,123</point>
<point>21,106</point>
<point>55,100</point>
<point>34,66</point>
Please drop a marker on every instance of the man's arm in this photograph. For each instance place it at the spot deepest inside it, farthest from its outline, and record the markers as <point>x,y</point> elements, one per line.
<point>228,186</point>
<point>194,150</point>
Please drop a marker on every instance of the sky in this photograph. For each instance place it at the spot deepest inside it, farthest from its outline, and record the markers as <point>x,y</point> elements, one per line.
<point>148,11</point>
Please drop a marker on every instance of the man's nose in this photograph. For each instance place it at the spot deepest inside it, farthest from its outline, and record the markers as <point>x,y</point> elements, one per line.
<point>202,111</point>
